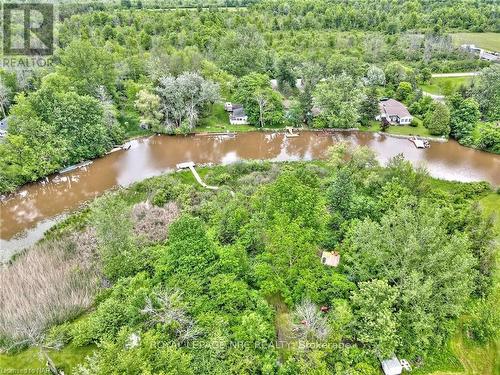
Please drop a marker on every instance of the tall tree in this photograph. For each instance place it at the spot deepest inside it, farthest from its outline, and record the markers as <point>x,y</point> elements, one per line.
<point>183,98</point>
<point>369,109</point>
<point>262,104</point>
<point>437,120</point>
<point>432,271</point>
<point>374,320</point>
<point>338,99</point>
<point>464,115</point>
<point>486,91</point>
<point>148,105</point>
<point>375,76</point>
<point>88,67</point>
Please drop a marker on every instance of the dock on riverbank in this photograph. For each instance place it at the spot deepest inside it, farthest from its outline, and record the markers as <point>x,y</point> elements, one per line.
<point>190,165</point>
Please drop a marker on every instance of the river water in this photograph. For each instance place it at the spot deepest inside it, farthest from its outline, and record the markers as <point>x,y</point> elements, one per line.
<point>26,215</point>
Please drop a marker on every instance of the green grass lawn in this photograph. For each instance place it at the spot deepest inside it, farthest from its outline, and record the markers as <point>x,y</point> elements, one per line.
<point>418,130</point>
<point>130,122</point>
<point>489,41</point>
<point>217,120</point>
<point>445,85</point>
<point>30,359</point>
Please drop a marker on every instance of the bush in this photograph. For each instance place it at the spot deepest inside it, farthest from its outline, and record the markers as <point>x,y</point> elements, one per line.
<point>482,325</point>
<point>416,122</point>
<point>218,178</point>
<point>151,222</point>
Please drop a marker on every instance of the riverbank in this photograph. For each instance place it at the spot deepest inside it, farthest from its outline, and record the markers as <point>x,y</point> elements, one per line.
<point>27,213</point>
<point>70,356</point>
<point>228,129</point>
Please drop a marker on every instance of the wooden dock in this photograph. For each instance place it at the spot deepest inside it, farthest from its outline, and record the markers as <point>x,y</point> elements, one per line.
<point>420,143</point>
<point>190,165</point>
<point>289,132</point>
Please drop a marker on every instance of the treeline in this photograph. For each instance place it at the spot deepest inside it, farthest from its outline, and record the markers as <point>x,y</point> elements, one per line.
<point>197,282</point>
<point>388,16</point>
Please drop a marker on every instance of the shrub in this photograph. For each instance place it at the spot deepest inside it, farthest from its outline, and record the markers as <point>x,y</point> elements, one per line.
<point>151,222</point>
<point>483,323</point>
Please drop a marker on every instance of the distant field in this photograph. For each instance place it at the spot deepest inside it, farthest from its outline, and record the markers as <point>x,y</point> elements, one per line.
<point>445,86</point>
<point>489,41</point>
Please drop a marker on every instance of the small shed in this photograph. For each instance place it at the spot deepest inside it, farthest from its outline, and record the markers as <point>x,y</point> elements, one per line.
<point>392,366</point>
<point>331,259</point>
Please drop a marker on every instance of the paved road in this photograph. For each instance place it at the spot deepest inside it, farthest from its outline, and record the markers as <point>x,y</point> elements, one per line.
<point>465,74</point>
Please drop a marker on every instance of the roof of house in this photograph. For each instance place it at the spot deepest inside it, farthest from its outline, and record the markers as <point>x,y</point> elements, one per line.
<point>488,56</point>
<point>238,112</point>
<point>392,366</point>
<point>392,107</point>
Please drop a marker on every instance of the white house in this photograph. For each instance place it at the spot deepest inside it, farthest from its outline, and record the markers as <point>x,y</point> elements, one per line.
<point>237,115</point>
<point>395,112</point>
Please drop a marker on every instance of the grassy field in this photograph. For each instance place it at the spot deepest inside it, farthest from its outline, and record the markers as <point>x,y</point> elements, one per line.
<point>489,41</point>
<point>418,130</point>
<point>445,86</point>
<point>218,121</point>
<point>30,359</point>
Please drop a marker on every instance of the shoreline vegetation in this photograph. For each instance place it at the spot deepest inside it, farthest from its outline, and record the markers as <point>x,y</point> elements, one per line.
<point>177,194</point>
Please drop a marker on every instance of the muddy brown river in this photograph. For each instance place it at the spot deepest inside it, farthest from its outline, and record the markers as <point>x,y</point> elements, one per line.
<point>26,215</point>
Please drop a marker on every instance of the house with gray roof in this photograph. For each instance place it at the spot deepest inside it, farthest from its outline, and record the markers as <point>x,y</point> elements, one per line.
<point>237,115</point>
<point>394,112</point>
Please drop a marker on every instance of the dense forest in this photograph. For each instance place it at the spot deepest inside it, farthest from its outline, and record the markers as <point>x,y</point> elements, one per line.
<point>124,69</point>
<point>166,277</point>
